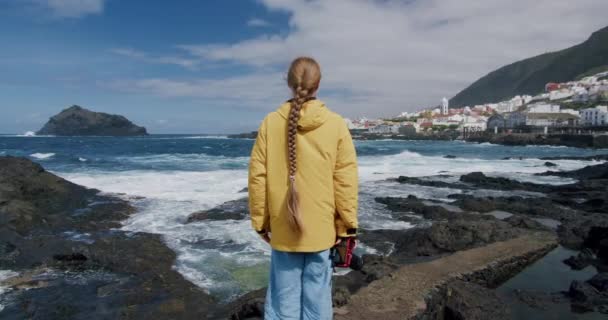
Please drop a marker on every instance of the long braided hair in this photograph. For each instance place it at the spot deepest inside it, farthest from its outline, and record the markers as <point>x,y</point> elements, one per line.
<point>303,78</point>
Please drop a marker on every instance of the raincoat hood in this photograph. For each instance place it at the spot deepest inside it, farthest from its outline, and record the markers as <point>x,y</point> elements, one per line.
<point>312,115</point>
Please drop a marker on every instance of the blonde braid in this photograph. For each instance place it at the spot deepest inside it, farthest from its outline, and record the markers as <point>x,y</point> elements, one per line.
<point>294,200</point>
<point>303,78</point>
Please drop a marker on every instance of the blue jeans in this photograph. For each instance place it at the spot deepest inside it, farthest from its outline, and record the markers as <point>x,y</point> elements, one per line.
<point>300,286</point>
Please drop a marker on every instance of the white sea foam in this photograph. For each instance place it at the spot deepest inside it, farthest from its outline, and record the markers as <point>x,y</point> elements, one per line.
<point>42,156</point>
<point>81,159</point>
<point>5,274</point>
<point>204,249</point>
<point>29,134</point>
<point>215,254</point>
<point>207,188</point>
<point>189,160</point>
<point>412,164</point>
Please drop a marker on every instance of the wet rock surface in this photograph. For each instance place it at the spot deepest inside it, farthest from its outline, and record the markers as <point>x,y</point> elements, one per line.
<point>585,297</point>
<point>64,242</point>
<point>572,207</point>
<point>431,183</point>
<point>540,300</point>
<point>466,300</point>
<point>231,210</point>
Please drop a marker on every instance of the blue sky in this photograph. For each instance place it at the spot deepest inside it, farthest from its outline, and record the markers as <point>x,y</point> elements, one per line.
<point>217,66</point>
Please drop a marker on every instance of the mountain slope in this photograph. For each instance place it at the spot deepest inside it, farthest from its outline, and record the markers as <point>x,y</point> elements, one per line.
<point>529,76</point>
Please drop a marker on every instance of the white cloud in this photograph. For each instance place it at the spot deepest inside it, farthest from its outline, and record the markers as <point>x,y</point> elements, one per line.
<point>257,22</point>
<point>187,63</point>
<point>383,57</point>
<point>72,8</point>
<point>248,91</point>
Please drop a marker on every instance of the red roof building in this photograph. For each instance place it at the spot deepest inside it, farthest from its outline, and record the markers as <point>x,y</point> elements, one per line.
<point>552,86</point>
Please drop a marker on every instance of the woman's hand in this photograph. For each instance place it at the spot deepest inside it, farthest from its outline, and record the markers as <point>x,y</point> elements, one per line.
<point>265,237</point>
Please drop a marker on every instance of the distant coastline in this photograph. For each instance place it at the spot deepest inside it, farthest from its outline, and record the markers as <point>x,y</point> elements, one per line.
<point>597,141</point>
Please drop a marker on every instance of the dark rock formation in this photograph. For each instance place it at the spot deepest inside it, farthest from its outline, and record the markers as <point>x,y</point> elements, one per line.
<point>60,237</point>
<point>249,306</point>
<point>576,233</point>
<point>525,223</point>
<point>454,235</point>
<point>248,135</point>
<point>466,300</point>
<point>231,210</point>
<point>524,139</point>
<point>596,157</point>
<point>600,282</point>
<point>432,183</point>
<point>544,207</point>
<point>581,260</point>
<point>599,171</point>
<point>77,121</point>
<point>411,204</point>
<point>31,198</point>
<point>586,297</point>
<point>480,180</point>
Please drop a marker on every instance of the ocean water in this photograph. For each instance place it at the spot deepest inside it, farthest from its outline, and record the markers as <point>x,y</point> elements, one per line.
<point>168,177</point>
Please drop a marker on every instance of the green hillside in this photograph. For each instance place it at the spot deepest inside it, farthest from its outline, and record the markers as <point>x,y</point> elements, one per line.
<point>529,76</point>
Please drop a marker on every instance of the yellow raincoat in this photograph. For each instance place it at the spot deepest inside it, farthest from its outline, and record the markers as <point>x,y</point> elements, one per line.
<point>326,179</point>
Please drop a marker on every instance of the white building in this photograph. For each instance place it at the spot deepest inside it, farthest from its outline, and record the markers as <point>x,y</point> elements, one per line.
<point>588,80</point>
<point>543,108</point>
<point>542,96</point>
<point>475,126</point>
<point>505,106</point>
<point>570,111</point>
<point>517,102</point>
<point>384,129</point>
<point>597,116</point>
<point>560,94</point>
<point>474,123</point>
<point>551,119</point>
<point>445,106</point>
<point>580,94</point>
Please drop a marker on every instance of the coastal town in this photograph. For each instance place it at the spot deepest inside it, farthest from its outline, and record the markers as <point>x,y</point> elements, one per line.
<point>574,106</point>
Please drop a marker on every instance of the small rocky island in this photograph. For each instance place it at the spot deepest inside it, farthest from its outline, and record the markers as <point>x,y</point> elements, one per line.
<point>78,121</point>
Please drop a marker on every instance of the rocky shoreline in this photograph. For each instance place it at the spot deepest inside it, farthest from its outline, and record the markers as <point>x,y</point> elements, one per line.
<point>523,139</point>
<point>571,215</point>
<point>72,262</point>
<point>596,141</point>
<point>64,242</point>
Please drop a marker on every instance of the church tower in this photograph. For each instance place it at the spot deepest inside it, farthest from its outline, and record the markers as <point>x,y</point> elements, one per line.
<point>445,105</point>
